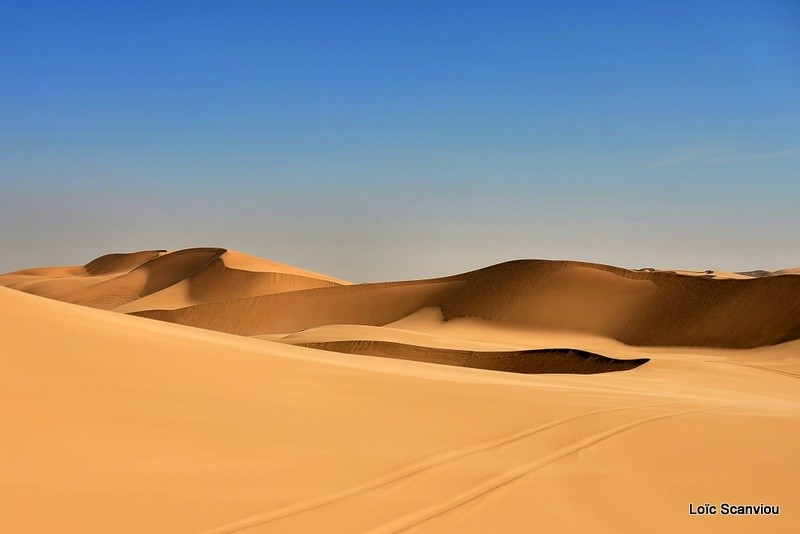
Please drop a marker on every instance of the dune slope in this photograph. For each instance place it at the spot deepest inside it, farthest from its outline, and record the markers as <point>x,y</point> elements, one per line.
<point>635,307</point>
<point>117,423</point>
<point>164,280</point>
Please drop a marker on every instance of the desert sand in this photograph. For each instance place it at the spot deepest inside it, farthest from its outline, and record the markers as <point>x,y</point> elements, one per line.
<point>205,390</point>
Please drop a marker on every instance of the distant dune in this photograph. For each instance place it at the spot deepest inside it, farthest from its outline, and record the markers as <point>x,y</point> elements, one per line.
<point>230,292</point>
<point>159,279</point>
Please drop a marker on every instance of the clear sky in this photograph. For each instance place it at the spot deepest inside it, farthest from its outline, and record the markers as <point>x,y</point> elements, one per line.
<point>383,140</point>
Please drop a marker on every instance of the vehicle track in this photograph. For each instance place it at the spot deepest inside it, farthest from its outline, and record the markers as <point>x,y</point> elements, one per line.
<point>425,467</point>
<point>516,474</point>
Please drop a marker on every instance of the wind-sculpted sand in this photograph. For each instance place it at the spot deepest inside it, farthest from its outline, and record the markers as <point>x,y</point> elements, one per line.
<point>160,279</point>
<point>636,308</point>
<point>553,360</point>
<point>576,397</point>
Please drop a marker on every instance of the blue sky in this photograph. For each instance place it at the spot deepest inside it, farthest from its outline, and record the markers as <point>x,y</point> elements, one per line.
<point>379,140</point>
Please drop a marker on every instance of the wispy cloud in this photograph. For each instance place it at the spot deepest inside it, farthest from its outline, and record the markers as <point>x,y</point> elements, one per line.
<point>723,155</point>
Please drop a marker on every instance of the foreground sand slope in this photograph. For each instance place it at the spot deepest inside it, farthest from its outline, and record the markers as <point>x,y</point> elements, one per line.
<point>114,423</point>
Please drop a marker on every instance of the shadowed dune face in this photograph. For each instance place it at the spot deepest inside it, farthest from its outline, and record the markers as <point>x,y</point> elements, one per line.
<point>634,307</point>
<point>552,295</point>
<point>120,263</point>
<point>568,361</point>
<point>719,313</point>
<point>230,292</point>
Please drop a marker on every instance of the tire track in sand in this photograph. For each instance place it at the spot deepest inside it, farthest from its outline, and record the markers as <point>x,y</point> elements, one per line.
<point>412,520</point>
<point>412,470</point>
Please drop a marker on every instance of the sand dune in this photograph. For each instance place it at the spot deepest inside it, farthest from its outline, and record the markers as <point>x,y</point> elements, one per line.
<point>228,291</point>
<point>160,279</point>
<point>116,423</point>
<point>626,396</point>
<point>638,308</point>
<point>230,276</point>
<point>634,307</point>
